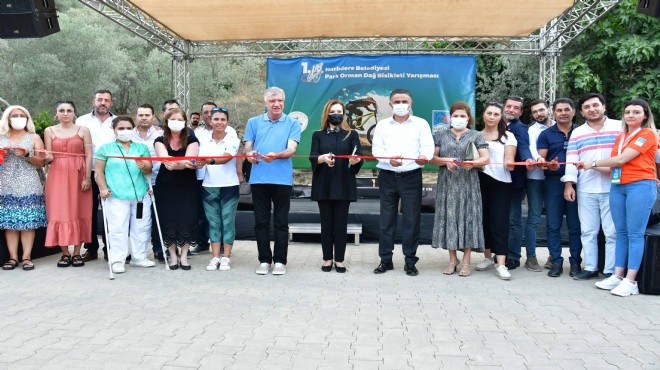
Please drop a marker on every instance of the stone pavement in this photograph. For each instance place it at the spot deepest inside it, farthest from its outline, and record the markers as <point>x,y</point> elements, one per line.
<point>76,318</point>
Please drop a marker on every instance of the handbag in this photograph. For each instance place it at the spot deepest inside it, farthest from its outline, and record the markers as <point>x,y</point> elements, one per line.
<point>471,152</point>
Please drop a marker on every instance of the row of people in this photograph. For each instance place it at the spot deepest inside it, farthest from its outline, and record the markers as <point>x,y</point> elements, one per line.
<point>459,225</point>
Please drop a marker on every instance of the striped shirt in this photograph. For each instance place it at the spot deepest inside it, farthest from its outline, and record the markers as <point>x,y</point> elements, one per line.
<point>587,145</point>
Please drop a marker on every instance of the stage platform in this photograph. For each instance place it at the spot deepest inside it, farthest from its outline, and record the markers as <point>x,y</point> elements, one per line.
<point>365,212</point>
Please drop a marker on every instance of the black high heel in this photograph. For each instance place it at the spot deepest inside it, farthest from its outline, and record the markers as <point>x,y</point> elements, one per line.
<point>340,269</point>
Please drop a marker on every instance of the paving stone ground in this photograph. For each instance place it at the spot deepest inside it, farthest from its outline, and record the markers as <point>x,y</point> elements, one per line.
<point>76,318</point>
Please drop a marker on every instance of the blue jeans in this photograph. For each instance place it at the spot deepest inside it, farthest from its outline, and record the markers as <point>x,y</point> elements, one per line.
<point>594,211</point>
<point>515,224</point>
<point>555,207</point>
<point>631,205</point>
<point>534,208</point>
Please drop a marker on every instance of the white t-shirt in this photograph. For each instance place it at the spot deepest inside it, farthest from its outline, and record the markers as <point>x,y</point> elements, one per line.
<point>534,132</point>
<point>496,150</point>
<point>219,175</point>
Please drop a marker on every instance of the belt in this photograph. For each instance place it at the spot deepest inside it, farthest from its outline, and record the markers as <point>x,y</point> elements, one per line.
<point>402,174</point>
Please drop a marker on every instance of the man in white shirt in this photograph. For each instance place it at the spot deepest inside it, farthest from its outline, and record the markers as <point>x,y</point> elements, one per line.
<point>145,132</point>
<point>99,123</point>
<point>534,185</point>
<point>590,142</point>
<point>401,136</point>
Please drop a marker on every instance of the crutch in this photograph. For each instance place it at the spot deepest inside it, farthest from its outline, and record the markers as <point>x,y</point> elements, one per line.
<point>160,233</point>
<point>107,241</point>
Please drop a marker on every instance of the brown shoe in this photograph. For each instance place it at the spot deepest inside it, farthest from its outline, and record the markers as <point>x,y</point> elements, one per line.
<point>532,264</point>
<point>548,264</point>
<point>90,256</point>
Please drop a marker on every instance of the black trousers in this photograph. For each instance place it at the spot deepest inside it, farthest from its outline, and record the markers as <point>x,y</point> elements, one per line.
<point>94,245</point>
<point>280,197</point>
<point>407,188</point>
<point>334,221</point>
<point>496,203</point>
<point>202,222</point>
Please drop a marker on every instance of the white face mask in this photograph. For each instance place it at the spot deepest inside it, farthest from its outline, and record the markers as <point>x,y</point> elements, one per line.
<point>175,125</point>
<point>125,135</point>
<point>459,123</point>
<point>400,109</point>
<point>18,123</point>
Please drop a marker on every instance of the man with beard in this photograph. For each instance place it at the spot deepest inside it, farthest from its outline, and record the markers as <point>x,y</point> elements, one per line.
<point>534,186</point>
<point>513,108</point>
<point>145,132</point>
<point>194,120</point>
<point>552,145</point>
<point>99,123</point>
<point>590,142</point>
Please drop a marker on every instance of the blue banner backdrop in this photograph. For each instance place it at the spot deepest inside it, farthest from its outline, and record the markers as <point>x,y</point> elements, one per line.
<point>364,83</point>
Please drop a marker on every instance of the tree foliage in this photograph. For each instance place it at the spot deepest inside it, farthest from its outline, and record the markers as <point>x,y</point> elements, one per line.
<point>92,52</point>
<point>617,56</point>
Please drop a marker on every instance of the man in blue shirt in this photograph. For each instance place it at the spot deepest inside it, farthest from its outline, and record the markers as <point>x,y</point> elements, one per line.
<point>271,139</point>
<point>552,145</point>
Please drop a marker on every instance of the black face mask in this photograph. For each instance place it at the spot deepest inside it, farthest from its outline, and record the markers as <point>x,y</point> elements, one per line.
<point>335,119</point>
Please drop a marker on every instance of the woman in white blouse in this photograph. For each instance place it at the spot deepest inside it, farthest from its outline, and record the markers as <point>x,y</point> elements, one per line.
<point>220,187</point>
<point>495,184</point>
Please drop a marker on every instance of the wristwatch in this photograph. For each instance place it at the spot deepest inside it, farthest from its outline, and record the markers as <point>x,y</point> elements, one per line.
<point>593,164</point>
<point>212,161</point>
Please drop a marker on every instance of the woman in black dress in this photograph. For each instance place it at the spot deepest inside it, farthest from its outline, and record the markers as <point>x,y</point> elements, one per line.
<point>333,180</point>
<point>177,193</point>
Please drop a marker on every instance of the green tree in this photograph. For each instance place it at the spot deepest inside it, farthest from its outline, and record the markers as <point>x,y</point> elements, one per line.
<point>617,56</point>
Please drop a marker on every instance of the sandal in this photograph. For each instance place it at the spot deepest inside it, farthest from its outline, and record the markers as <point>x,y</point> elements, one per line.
<point>465,271</point>
<point>451,268</point>
<point>77,261</point>
<point>27,265</point>
<point>10,264</point>
<point>65,261</point>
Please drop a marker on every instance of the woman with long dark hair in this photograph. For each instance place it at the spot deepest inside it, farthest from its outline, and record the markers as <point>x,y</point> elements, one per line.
<point>334,186</point>
<point>496,189</point>
<point>632,194</point>
<point>68,185</point>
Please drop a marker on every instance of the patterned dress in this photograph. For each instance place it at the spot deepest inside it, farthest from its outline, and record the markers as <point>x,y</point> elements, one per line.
<point>458,209</point>
<point>22,203</point>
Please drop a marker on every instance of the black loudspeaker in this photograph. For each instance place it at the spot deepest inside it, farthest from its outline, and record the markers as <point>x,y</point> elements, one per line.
<point>649,7</point>
<point>648,277</point>
<point>27,18</point>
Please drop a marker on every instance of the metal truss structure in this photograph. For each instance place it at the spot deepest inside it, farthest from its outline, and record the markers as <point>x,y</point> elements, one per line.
<point>547,44</point>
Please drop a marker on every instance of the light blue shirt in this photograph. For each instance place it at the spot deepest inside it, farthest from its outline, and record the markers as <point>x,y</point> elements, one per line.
<point>268,136</point>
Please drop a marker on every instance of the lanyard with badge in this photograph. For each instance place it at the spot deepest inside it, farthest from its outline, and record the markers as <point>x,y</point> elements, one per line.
<point>616,171</point>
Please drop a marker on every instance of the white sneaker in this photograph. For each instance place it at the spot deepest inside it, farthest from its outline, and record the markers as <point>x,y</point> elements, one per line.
<point>225,264</point>
<point>118,267</point>
<point>609,283</point>
<point>626,288</point>
<point>279,269</point>
<point>263,268</point>
<point>143,263</point>
<point>213,264</point>
<point>503,272</point>
<point>487,264</point>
